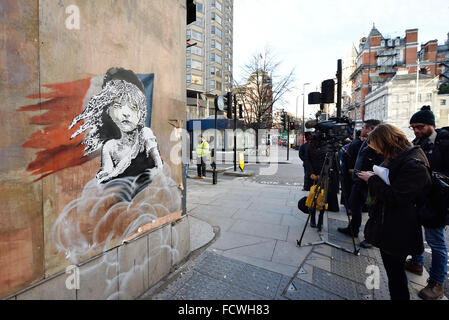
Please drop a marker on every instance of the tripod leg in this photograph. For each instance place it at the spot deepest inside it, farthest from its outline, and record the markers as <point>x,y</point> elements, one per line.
<point>298,242</point>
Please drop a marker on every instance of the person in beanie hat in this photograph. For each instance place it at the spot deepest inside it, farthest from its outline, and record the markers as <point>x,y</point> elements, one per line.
<point>435,144</point>
<point>424,116</point>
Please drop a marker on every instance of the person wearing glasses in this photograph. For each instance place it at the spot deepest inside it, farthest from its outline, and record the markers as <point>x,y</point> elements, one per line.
<point>435,144</point>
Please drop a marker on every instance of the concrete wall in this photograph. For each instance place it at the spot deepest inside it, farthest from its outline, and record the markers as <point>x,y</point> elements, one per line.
<point>50,67</point>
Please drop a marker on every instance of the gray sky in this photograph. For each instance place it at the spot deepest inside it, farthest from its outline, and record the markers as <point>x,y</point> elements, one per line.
<point>311,36</point>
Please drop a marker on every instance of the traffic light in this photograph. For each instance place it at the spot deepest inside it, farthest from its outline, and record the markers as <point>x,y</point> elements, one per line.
<point>229,105</point>
<point>292,125</point>
<point>327,91</point>
<point>283,119</point>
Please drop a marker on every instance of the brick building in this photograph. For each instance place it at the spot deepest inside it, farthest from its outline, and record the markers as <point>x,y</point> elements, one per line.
<point>379,57</point>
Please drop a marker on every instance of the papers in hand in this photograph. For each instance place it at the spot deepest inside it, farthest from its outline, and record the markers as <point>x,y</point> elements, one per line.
<point>382,173</point>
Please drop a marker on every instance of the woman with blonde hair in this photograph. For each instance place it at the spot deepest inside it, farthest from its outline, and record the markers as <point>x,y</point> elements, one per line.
<point>393,224</point>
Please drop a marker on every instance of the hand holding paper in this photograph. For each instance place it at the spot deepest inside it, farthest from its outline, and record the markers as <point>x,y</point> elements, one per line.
<point>382,173</point>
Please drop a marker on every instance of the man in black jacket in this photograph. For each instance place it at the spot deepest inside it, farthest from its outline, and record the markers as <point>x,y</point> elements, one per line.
<point>303,156</point>
<point>435,144</point>
<point>366,159</point>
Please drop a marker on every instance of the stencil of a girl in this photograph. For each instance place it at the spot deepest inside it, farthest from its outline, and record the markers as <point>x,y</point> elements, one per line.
<point>115,120</point>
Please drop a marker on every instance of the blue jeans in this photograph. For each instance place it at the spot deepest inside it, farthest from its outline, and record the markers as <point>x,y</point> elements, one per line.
<point>435,240</point>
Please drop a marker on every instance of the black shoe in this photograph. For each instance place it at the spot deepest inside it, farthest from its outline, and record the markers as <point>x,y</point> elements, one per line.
<point>365,244</point>
<point>348,232</point>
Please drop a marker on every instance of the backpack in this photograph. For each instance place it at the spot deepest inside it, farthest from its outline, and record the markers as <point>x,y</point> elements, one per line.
<point>434,206</point>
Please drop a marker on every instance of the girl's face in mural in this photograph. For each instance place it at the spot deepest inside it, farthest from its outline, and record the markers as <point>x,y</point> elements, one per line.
<point>125,114</point>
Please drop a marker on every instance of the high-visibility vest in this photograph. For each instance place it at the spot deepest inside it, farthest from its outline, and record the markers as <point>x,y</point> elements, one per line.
<point>202,149</point>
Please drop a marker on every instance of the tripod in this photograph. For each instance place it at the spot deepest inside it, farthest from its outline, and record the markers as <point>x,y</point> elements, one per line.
<point>331,163</point>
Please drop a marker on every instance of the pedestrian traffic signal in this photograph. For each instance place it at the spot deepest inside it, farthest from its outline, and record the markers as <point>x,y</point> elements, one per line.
<point>283,120</point>
<point>229,105</point>
<point>292,125</point>
<point>327,91</point>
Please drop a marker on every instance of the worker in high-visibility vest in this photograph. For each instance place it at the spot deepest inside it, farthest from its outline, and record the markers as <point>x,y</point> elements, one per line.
<point>202,152</point>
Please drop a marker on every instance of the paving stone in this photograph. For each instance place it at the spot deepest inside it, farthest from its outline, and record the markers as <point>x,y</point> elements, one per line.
<point>258,216</point>
<point>259,281</point>
<point>235,293</point>
<point>221,268</point>
<point>340,286</point>
<point>319,261</point>
<point>289,253</point>
<point>306,291</point>
<point>202,287</point>
<point>262,250</point>
<point>260,229</point>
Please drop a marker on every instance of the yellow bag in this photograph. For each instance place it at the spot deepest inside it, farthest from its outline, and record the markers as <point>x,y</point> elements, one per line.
<point>319,204</point>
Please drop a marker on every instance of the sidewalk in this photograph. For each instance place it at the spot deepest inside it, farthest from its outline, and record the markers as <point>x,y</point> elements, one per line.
<point>243,235</point>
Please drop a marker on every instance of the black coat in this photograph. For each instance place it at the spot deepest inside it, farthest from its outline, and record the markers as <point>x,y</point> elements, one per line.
<point>393,223</point>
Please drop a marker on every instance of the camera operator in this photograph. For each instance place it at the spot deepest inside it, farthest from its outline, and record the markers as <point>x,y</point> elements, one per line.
<point>314,161</point>
<point>365,160</point>
<point>303,156</point>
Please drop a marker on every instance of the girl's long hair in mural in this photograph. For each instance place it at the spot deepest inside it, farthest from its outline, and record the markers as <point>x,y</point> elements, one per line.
<point>94,113</point>
<point>133,186</point>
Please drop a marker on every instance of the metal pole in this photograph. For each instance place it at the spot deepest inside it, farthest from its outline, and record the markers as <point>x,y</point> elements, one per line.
<point>339,85</point>
<point>214,163</point>
<point>288,136</point>
<point>235,133</point>
<point>303,107</point>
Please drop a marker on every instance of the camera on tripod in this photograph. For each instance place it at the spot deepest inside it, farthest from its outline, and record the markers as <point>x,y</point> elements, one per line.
<point>332,131</point>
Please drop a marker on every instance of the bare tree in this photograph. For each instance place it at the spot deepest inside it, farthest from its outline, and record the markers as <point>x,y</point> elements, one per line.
<point>264,87</point>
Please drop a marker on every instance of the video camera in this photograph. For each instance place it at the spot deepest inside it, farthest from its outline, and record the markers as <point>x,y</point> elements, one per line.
<point>333,130</point>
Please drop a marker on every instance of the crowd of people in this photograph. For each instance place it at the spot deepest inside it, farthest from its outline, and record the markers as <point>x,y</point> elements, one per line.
<point>396,216</point>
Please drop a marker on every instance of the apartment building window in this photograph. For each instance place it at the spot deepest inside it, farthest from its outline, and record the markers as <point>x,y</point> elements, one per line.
<point>199,7</point>
<point>195,50</point>
<point>215,85</point>
<point>217,5</point>
<point>216,44</point>
<point>189,78</point>
<point>428,96</point>
<point>382,43</point>
<point>215,58</point>
<point>215,71</point>
<point>442,102</point>
<point>199,22</point>
<point>397,42</point>
<point>390,42</point>
<point>192,34</point>
<point>194,64</point>
<point>216,31</point>
<point>197,79</point>
<point>216,17</point>
<point>405,98</point>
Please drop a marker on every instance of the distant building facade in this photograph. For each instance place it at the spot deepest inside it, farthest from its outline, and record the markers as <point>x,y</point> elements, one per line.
<point>209,62</point>
<point>380,57</point>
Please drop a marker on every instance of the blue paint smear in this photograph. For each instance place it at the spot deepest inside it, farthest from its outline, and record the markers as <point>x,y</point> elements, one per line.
<point>148,83</point>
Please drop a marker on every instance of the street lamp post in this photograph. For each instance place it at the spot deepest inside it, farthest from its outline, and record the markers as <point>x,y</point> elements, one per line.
<point>303,113</point>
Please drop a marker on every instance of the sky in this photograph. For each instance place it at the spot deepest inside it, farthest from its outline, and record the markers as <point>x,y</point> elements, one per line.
<point>310,36</point>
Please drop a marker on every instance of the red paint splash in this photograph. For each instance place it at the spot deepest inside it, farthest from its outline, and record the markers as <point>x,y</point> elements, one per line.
<point>65,101</point>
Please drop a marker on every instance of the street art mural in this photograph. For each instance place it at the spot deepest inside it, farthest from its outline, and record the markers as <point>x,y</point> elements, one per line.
<point>107,117</point>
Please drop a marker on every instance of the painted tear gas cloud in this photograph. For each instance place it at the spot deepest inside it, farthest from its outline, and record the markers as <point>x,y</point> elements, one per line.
<point>108,213</point>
